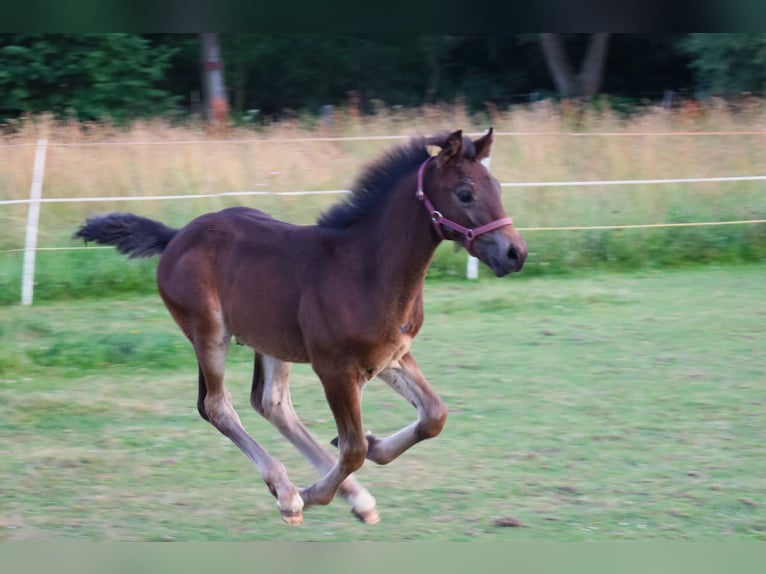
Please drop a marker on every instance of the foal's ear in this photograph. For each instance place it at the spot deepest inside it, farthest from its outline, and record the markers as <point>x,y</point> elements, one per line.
<point>452,148</point>
<point>483,145</point>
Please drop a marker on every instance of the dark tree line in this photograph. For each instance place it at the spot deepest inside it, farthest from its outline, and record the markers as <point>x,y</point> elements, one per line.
<point>125,76</point>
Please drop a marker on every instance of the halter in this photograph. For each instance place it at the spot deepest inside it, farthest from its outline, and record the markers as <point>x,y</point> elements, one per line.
<point>469,235</point>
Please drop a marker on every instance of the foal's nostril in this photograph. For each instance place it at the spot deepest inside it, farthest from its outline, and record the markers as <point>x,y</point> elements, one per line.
<point>516,257</point>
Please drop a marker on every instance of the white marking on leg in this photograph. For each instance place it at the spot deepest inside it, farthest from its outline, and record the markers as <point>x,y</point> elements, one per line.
<point>295,504</point>
<point>362,502</point>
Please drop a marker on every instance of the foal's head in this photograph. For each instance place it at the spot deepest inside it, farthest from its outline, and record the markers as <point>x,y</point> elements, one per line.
<point>465,202</point>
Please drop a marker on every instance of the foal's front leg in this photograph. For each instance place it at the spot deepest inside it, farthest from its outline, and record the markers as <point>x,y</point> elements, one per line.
<point>405,377</point>
<point>343,393</point>
<point>270,396</point>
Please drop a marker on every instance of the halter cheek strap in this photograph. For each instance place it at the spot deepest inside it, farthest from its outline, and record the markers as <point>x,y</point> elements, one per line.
<point>438,220</point>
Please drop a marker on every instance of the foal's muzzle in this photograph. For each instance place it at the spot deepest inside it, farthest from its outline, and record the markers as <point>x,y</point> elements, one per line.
<point>501,251</point>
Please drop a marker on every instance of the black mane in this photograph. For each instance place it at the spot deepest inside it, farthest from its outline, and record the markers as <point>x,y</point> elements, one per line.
<point>375,183</point>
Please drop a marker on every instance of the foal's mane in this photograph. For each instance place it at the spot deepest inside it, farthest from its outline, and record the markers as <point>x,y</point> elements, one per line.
<point>375,183</point>
<point>379,178</point>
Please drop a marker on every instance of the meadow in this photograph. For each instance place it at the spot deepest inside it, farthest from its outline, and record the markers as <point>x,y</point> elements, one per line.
<point>614,390</point>
<point>601,407</point>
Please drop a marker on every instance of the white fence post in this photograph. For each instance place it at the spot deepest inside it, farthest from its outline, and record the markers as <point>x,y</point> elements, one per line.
<point>33,218</point>
<point>472,266</point>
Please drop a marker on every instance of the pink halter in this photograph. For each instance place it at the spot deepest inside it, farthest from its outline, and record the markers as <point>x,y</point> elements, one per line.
<point>469,235</point>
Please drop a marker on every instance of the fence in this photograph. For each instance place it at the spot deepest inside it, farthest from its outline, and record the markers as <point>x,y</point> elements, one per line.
<point>36,199</point>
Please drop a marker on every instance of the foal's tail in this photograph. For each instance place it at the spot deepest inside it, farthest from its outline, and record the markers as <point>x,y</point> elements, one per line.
<point>132,235</point>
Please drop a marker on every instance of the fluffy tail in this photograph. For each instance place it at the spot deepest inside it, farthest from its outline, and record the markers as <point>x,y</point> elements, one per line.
<point>132,235</point>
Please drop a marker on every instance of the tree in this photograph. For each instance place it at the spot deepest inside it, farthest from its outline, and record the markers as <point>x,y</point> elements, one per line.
<point>86,76</point>
<point>216,100</point>
<point>587,82</point>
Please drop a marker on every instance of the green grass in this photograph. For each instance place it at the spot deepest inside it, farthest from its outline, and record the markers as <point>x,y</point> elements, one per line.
<point>597,407</point>
<point>98,272</point>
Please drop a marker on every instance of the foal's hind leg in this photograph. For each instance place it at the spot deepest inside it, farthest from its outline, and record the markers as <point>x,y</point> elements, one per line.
<point>270,396</point>
<point>215,406</point>
<point>406,378</point>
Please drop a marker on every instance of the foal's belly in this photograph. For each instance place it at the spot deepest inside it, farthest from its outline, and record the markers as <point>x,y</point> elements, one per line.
<point>283,342</point>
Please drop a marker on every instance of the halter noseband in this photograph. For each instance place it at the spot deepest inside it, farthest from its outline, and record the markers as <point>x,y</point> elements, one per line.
<point>469,235</point>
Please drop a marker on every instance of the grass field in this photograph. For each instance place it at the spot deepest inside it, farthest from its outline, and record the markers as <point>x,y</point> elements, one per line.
<point>595,407</point>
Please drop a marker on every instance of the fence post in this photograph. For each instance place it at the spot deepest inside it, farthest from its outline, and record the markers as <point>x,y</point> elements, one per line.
<point>33,218</point>
<point>472,266</point>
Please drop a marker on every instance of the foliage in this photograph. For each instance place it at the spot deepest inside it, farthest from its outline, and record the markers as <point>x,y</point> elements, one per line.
<point>728,63</point>
<point>278,72</point>
<point>275,72</point>
<point>85,76</point>
<point>127,75</point>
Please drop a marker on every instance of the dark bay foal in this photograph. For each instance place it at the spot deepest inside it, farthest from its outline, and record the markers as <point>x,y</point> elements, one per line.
<point>345,295</point>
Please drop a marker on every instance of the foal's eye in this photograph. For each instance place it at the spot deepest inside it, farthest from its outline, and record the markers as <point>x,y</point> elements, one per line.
<point>464,195</point>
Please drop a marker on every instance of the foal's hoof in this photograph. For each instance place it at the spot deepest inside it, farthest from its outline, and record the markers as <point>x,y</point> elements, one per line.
<point>368,516</point>
<point>292,517</point>
<point>291,508</point>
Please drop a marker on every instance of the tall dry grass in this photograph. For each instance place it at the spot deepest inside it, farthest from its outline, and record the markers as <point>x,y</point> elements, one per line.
<point>551,143</point>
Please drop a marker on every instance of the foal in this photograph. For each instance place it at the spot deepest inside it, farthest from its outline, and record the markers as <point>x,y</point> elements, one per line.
<point>345,295</point>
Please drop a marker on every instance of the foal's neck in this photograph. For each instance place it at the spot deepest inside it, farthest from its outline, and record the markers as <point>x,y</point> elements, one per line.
<point>404,240</point>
